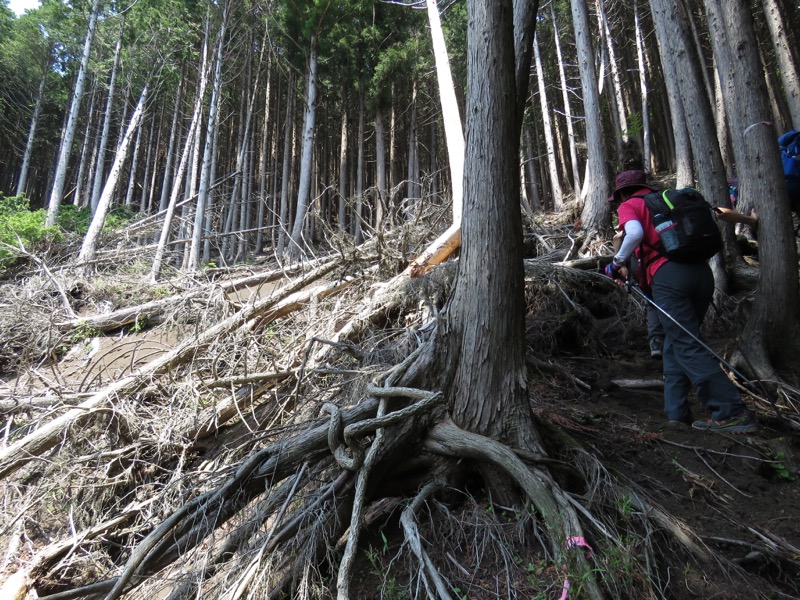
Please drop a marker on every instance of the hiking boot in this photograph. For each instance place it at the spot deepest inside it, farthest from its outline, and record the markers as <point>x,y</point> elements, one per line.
<point>656,347</point>
<point>743,422</point>
<point>676,425</point>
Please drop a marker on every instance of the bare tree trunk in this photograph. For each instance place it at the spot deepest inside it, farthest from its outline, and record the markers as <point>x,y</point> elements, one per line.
<point>211,126</point>
<point>486,313</point>
<point>72,121</point>
<point>683,152</point>
<point>343,153</point>
<point>723,130</point>
<point>210,208</point>
<point>189,144</point>
<point>79,180</point>
<point>394,159</point>
<point>413,188</point>
<point>134,164</point>
<point>680,52</point>
<point>297,249</point>
<point>359,188</point>
<point>595,216</point>
<point>616,80</point>
<point>647,153</point>
<point>531,179</point>
<point>283,218</point>
<point>454,135</point>
<point>555,183</point>
<point>22,181</point>
<point>101,152</point>
<point>380,170</point>
<point>573,148</point>
<point>267,145</point>
<point>98,220</point>
<point>173,136</point>
<point>788,68</point>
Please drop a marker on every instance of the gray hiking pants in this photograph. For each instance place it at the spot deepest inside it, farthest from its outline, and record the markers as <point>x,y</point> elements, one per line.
<point>685,292</point>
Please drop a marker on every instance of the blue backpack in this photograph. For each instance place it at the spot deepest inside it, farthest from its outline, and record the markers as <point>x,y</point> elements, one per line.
<point>789,143</point>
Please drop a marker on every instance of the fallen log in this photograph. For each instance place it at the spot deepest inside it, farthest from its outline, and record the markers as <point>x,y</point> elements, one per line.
<point>50,434</point>
<point>153,311</point>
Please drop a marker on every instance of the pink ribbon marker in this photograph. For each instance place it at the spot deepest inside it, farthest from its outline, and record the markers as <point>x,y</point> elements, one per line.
<point>573,542</point>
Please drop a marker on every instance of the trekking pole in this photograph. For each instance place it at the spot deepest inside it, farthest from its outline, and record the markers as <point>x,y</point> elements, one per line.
<point>631,285</point>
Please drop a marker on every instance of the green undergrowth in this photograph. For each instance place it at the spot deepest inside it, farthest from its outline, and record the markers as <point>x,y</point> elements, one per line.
<point>21,226</point>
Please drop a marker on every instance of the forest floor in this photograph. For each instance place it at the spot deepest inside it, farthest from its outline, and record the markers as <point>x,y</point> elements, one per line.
<point>739,494</point>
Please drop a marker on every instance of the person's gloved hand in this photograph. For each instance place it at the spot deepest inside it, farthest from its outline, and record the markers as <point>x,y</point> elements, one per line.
<point>613,271</point>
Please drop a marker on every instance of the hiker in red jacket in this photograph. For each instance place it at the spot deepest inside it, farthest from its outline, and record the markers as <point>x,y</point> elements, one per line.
<point>684,291</point>
<point>655,333</point>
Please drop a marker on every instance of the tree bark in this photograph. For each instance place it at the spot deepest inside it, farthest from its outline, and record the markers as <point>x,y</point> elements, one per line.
<point>788,68</point>
<point>486,310</point>
<point>679,56</point>
<point>772,331</point>
<point>683,153</point>
<point>562,75</point>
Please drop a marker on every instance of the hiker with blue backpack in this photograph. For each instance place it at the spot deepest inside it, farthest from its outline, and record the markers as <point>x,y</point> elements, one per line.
<point>671,233</point>
<point>789,144</point>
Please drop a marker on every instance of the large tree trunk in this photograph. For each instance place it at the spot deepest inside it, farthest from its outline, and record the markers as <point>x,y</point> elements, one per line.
<point>683,153</point>
<point>104,203</point>
<point>772,332</point>
<point>487,308</point>
<point>485,345</point>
